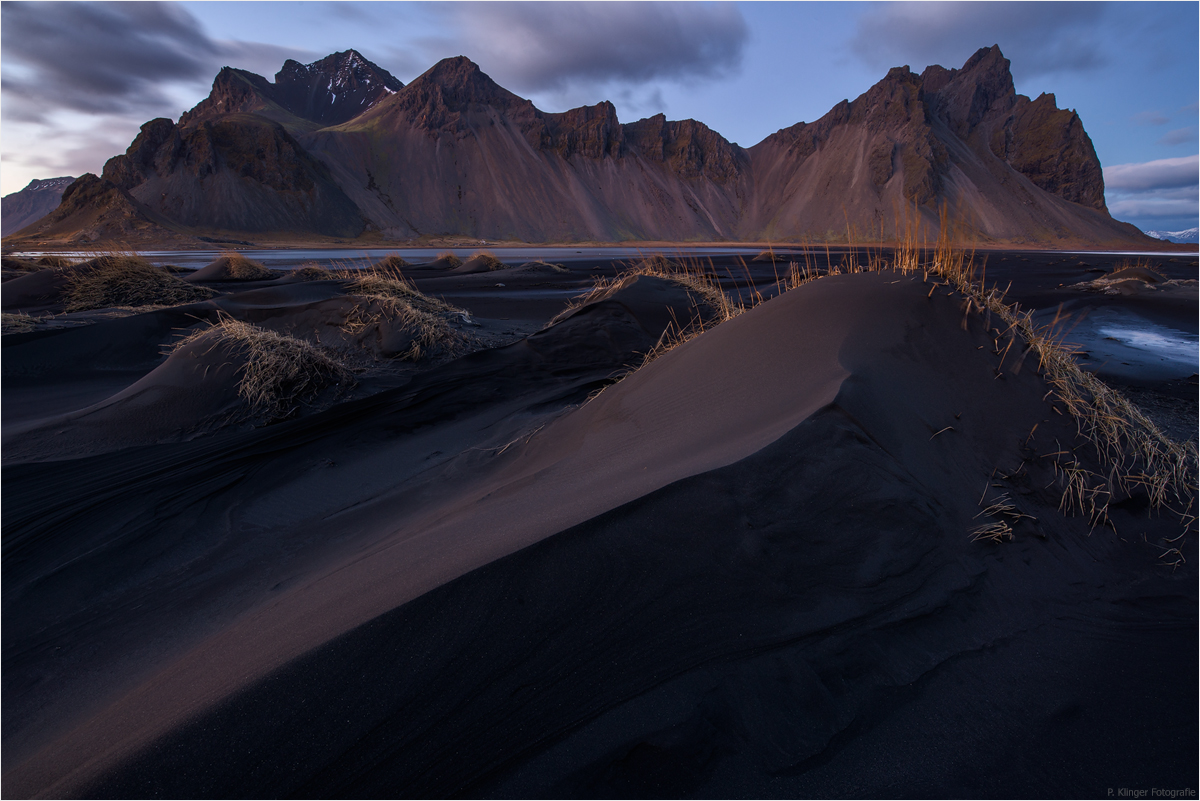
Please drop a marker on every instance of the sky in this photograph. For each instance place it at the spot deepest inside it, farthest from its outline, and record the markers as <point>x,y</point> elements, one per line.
<point>77,79</point>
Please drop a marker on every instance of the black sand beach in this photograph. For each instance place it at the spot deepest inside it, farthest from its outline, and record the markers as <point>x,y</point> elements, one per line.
<point>459,568</point>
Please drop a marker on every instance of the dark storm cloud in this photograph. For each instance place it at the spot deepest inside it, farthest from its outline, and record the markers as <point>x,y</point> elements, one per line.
<point>550,46</point>
<point>1038,38</point>
<point>108,58</point>
<point>99,57</point>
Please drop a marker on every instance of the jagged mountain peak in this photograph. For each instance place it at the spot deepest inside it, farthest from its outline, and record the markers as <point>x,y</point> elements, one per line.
<point>334,89</point>
<point>338,71</point>
<point>329,91</point>
<point>451,90</point>
<point>462,79</point>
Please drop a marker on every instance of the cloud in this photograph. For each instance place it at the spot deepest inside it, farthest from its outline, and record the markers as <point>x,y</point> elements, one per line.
<point>111,58</point>
<point>1179,136</point>
<point>1038,38</point>
<point>539,47</point>
<point>1155,194</point>
<point>1150,118</point>
<point>1155,207</point>
<point>101,58</point>
<point>1153,175</point>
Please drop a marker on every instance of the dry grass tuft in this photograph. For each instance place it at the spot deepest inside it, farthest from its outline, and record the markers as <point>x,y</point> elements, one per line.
<point>544,266</point>
<point>55,262</point>
<point>699,281</point>
<point>701,284</point>
<point>391,263</point>
<point>127,281</point>
<point>485,258</point>
<point>449,260</point>
<point>396,286</point>
<point>393,298</point>
<point>1137,270</point>
<point>1132,453</point>
<point>313,272</point>
<point>16,323</point>
<point>999,529</point>
<point>240,268</point>
<point>280,372</point>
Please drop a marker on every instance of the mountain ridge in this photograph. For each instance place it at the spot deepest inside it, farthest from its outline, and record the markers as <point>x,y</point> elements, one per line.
<point>455,154</point>
<point>31,203</point>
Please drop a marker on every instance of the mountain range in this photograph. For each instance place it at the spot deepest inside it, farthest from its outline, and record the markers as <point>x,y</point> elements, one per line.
<point>340,150</point>
<point>32,203</point>
<point>1188,235</point>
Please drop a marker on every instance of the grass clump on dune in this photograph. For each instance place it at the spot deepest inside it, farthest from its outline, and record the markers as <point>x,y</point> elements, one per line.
<point>280,372</point>
<point>237,267</point>
<point>1133,453</point>
<point>17,323</point>
<point>1138,271</point>
<point>312,272</point>
<point>485,259</point>
<point>127,281</point>
<point>393,299</point>
<point>447,260</point>
<point>702,285</point>
<point>545,266</point>
<point>56,262</point>
<point>389,264</point>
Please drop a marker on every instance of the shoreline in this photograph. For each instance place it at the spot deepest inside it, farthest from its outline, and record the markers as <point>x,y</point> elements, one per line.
<point>1190,249</point>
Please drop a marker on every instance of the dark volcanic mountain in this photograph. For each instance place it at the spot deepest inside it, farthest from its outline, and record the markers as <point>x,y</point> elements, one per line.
<point>304,97</point>
<point>32,203</point>
<point>340,148</point>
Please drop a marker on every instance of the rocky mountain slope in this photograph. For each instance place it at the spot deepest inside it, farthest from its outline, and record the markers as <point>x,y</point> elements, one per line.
<point>340,148</point>
<point>32,203</point>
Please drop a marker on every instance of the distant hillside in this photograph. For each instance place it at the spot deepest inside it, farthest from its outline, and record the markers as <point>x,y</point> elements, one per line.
<point>339,149</point>
<point>32,203</point>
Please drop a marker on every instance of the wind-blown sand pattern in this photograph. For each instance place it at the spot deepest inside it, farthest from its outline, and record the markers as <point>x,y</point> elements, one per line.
<point>819,546</point>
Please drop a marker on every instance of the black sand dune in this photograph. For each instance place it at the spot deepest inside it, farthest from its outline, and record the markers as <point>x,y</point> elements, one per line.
<point>746,569</point>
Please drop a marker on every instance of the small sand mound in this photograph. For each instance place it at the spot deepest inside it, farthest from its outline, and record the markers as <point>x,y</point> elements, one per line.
<point>310,272</point>
<point>1136,272</point>
<point>543,267</point>
<point>115,281</point>
<point>481,262</point>
<point>1127,279</point>
<point>659,304</point>
<point>395,287</point>
<point>389,264</point>
<point>232,267</point>
<point>14,264</point>
<point>408,324</point>
<point>445,261</point>
<point>702,286</point>
<point>768,255</point>
<point>57,262</point>
<point>280,372</point>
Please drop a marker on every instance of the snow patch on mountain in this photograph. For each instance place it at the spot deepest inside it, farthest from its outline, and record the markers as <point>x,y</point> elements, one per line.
<point>1185,236</point>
